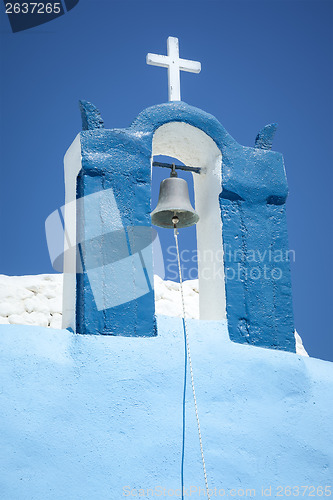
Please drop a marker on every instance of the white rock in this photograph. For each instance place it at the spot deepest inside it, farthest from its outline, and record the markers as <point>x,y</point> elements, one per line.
<point>158,294</point>
<point>40,319</point>
<point>30,299</point>
<point>11,306</point>
<point>56,321</point>
<point>192,307</point>
<point>19,319</point>
<point>9,291</point>
<point>171,285</point>
<point>52,294</point>
<point>157,279</point>
<point>34,318</point>
<point>168,308</point>
<point>15,319</point>
<point>55,305</point>
<point>38,303</point>
<point>300,349</point>
<point>192,285</point>
<point>171,295</point>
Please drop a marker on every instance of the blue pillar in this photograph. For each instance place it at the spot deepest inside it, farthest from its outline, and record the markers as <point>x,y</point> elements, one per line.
<point>115,292</point>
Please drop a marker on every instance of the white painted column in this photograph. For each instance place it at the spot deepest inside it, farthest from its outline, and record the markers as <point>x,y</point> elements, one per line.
<point>72,165</point>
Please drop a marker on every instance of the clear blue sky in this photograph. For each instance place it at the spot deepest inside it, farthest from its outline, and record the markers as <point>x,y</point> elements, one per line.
<point>262,62</point>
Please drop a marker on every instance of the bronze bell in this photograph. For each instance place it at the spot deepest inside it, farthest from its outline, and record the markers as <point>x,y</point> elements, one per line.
<point>174,201</point>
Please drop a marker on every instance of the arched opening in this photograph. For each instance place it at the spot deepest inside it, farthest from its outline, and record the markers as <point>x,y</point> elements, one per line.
<point>193,147</point>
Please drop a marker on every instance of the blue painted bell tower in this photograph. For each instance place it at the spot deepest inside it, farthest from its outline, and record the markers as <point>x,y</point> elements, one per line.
<point>240,196</point>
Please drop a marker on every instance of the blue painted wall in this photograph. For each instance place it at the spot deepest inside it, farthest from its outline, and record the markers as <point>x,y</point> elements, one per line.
<point>252,201</point>
<point>85,416</point>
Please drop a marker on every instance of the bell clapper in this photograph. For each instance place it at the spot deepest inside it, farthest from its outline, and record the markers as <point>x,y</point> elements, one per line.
<point>175,221</point>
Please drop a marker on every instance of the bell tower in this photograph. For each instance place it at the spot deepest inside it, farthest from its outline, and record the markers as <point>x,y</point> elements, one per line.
<point>240,195</point>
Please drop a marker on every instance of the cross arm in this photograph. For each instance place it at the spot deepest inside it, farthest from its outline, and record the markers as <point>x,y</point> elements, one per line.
<point>191,66</point>
<point>158,60</point>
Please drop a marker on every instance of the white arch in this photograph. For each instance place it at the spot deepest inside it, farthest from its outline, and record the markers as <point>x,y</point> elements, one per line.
<point>195,148</point>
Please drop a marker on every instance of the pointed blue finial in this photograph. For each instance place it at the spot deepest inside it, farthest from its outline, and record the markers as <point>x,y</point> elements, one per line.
<point>90,115</point>
<point>264,139</point>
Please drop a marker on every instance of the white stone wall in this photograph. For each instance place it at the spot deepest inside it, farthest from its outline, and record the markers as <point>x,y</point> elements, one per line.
<point>31,300</point>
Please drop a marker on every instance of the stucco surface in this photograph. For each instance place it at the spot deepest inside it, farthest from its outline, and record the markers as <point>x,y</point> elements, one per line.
<point>83,416</point>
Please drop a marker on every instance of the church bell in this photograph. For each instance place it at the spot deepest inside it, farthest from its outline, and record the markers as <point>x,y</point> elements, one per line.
<point>174,203</point>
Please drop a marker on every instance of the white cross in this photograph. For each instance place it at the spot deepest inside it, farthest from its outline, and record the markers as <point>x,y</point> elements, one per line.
<point>174,64</point>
